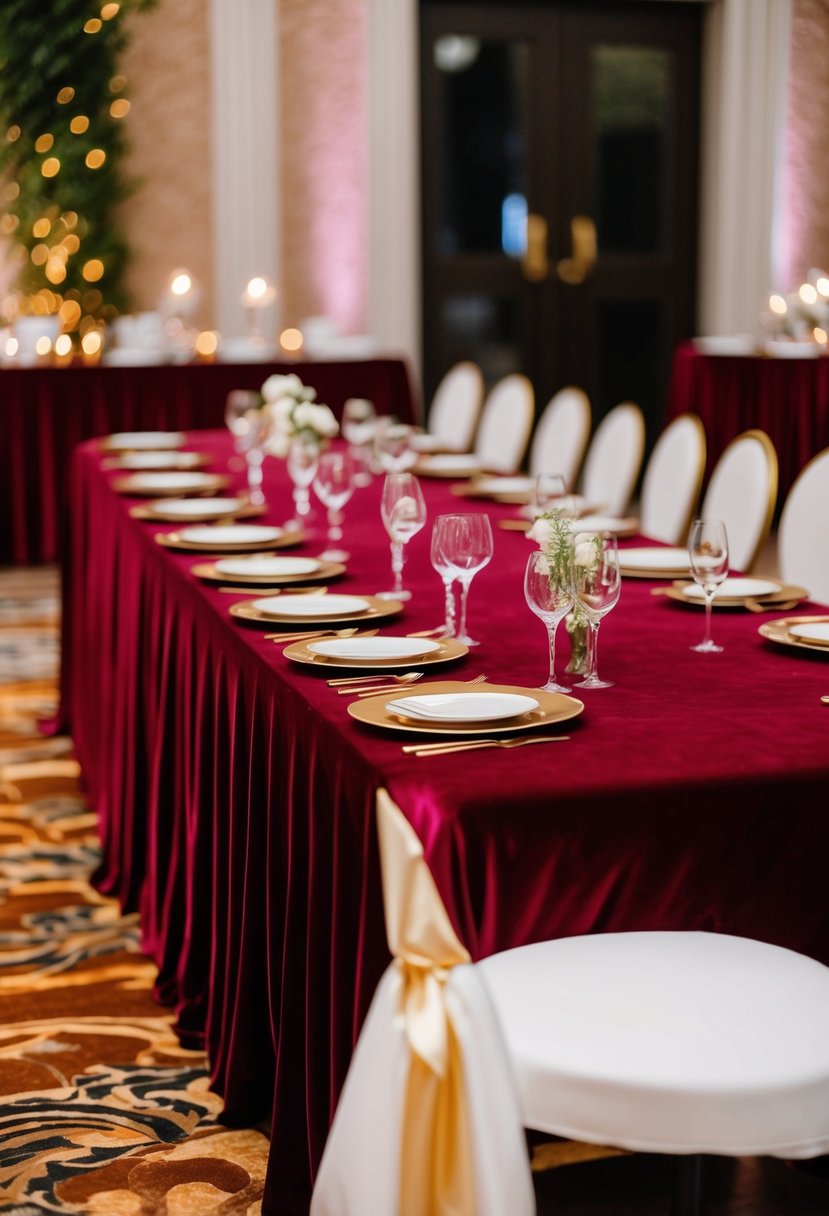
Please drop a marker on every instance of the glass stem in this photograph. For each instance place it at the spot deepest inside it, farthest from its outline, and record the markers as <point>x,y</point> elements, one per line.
<point>464,596</point>
<point>302,501</point>
<point>593,651</point>
<point>397,565</point>
<point>450,608</point>
<point>335,532</point>
<point>551,638</point>
<point>254,458</point>
<point>709,601</point>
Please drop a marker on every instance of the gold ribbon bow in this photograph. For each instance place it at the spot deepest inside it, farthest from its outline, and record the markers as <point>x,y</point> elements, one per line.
<point>436,1177</point>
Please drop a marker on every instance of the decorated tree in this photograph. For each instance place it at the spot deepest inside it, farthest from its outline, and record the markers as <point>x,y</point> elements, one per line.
<point>62,107</point>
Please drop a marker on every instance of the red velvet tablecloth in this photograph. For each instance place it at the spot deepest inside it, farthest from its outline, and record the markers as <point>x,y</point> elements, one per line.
<point>44,412</point>
<point>786,398</point>
<point>236,796</point>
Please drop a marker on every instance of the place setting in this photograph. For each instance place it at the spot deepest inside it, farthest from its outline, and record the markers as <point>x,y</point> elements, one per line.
<point>259,570</point>
<point>229,539</point>
<point>749,594</point>
<point>172,482</point>
<point>141,462</point>
<point>803,632</point>
<point>143,441</point>
<point>293,609</point>
<point>384,653</point>
<point>449,465</point>
<point>197,510</point>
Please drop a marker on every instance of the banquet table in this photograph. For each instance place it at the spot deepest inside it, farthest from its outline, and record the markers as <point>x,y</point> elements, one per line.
<point>235,795</point>
<point>45,411</point>
<point>786,398</point>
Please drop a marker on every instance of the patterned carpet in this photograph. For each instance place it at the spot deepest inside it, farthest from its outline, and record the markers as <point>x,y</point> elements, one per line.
<point>102,1112</point>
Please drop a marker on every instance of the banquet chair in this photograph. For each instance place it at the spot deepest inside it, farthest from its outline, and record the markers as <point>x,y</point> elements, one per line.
<point>456,406</point>
<point>614,459</point>
<point>677,1043</point>
<point>506,422</point>
<point>742,492</point>
<point>672,481</point>
<point>561,435</point>
<point>802,551</point>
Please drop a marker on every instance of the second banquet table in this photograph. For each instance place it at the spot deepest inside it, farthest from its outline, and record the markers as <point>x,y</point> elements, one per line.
<point>236,796</point>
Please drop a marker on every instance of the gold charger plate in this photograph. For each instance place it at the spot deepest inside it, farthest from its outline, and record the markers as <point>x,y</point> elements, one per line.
<point>778,631</point>
<point>172,540</point>
<point>160,516</point>
<point>326,571</point>
<point>300,652</point>
<point>784,593</point>
<point>451,473</point>
<point>656,576</point>
<point>378,609</point>
<point>553,707</point>
<point>214,482</point>
<point>474,489</point>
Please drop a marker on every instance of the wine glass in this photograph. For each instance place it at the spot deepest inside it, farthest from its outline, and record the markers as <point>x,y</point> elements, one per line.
<point>445,570</point>
<point>597,582</point>
<point>334,485</point>
<point>548,590</point>
<point>301,462</point>
<point>466,546</point>
<point>358,425</point>
<point>550,494</point>
<point>404,513</point>
<point>708,551</point>
<point>247,423</point>
<point>393,447</point>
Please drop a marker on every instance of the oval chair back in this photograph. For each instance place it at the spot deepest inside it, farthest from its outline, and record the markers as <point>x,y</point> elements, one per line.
<point>742,492</point>
<point>672,481</point>
<point>614,459</point>
<point>561,435</point>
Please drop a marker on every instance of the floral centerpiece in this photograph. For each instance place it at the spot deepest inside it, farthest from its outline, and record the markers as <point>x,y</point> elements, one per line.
<point>553,533</point>
<point>294,414</point>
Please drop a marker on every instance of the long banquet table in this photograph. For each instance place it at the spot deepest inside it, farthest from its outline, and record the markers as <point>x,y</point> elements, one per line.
<point>236,796</point>
<point>786,398</point>
<point>45,411</point>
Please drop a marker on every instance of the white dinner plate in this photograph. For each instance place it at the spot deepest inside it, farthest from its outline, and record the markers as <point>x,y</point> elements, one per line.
<point>603,523</point>
<point>144,441</point>
<point>427,443</point>
<point>505,485</point>
<point>314,606</point>
<point>726,344</point>
<point>654,559</point>
<point>159,460</point>
<point>172,482</point>
<point>375,648</point>
<point>794,350</point>
<point>203,508</point>
<point>817,632</point>
<point>266,567</point>
<point>734,588</point>
<point>229,534</point>
<point>462,706</point>
<point>451,464</point>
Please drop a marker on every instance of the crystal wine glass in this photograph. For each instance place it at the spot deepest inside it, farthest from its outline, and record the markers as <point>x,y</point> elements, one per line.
<point>446,571</point>
<point>393,447</point>
<point>708,551</point>
<point>548,590</point>
<point>358,426</point>
<point>466,546</point>
<point>404,513</point>
<point>334,485</point>
<point>550,494</point>
<point>303,459</point>
<point>247,423</point>
<point>597,582</point>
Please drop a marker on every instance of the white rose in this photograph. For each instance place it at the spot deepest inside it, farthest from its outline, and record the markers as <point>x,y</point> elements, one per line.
<point>541,532</point>
<point>304,416</point>
<point>325,422</point>
<point>277,444</point>
<point>585,553</point>
<point>280,386</point>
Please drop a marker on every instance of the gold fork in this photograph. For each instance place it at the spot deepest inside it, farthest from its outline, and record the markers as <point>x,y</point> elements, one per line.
<point>391,683</point>
<point>471,745</point>
<point>310,634</point>
<point>371,692</point>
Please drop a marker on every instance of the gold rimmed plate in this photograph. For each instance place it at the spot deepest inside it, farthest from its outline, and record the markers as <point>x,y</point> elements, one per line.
<point>143,441</point>
<point>230,510</point>
<point>221,547</point>
<point>169,483</point>
<point>323,572</point>
<point>447,650</point>
<point>780,631</point>
<point>449,465</point>
<point>553,707</point>
<point>281,612</point>
<point>765,591</point>
<point>173,460</point>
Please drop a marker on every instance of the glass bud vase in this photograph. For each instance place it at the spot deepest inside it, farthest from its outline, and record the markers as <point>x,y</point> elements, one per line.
<point>579,630</point>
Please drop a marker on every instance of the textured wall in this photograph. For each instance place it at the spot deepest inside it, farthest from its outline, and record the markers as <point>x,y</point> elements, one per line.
<point>324,162</point>
<point>168,219</point>
<point>805,212</point>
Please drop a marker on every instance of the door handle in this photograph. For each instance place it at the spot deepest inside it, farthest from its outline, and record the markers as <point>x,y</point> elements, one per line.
<point>579,265</point>
<point>535,264</point>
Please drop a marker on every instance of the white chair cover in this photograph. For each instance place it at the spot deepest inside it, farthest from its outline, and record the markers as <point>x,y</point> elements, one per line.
<point>416,1005</point>
<point>802,548</point>
<point>456,405</point>
<point>561,435</point>
<point>668,1042</point>
<point>742,492</point>
<point>614,459</point>
<point>672,481</point>
<point>506,422</point>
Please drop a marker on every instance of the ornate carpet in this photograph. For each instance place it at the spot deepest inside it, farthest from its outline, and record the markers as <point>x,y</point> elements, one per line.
<point>102,1112</point>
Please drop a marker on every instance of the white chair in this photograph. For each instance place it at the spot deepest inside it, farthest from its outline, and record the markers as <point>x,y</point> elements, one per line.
<point>665,1042</point>
<point>506,422</point>
<point>456,406</point>
<point>561,435</point>
<point>672,481</point>
<point>614,459</point>
<point>802,551</point>
<point>742,492</point>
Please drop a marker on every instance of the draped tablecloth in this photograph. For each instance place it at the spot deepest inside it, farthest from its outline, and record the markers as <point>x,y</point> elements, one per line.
<point>786,398</point>
<point>44,412</point>
<point>236,796</point>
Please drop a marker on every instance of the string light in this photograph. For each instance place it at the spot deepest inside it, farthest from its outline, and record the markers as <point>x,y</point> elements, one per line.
<point>120,108</point>
<point>91,342</point>
<point>110,10</point>
<point>41,228</point>
<point>79,124</point>
<point>65,95</point>
<point>44,142</point>
<point>63,346</point>
<point>95,158</point>
<point>43,346</point>
<point>207,343</point>
<point>290,339</point>
<point>50,167</point>
<point>93,25</point>
<point>93,270</point>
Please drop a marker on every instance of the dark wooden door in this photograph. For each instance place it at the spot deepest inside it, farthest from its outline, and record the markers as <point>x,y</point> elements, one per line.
<point>559,152</point>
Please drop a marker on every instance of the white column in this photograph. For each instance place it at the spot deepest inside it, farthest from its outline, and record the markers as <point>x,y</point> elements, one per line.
<point>746,63</point>
<point>394,177</point>
<point>244,62</point>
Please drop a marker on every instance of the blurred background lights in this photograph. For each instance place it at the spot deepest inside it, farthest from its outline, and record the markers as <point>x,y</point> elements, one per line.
<point>207,343</point>
<point>120,108</point>
<point>43,345</point>
<point>93,270</point>
<point>92,25</point>
<point>50,167</point>
<point>808,293</point>
<point>44,142</point>
<point>109,11</point>
<point>63,345</point>
<point>11,347</point>
<point>91,342</point>
<point>290,339</point>
<point>79,124</point>
<point>65,95</point>
<point>180,283</point>
<point>777,304</point>
<point>95,158</point>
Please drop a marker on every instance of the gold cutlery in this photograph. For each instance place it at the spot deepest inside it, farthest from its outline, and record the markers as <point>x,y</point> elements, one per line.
<point>310,634</point>
<point>758,605</point>
<point>428,633</point>
<point>824,700</point>
<point>471,745</point>
<point>383,677</point>
<point>392,682</point>
<point>261,591</point>
<point>372,692</point>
